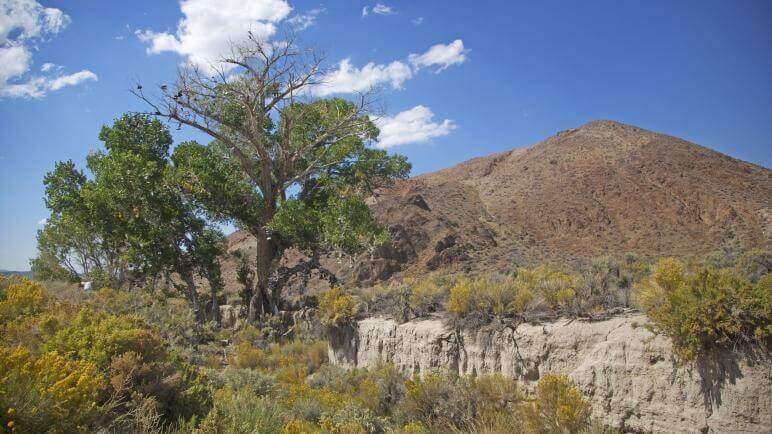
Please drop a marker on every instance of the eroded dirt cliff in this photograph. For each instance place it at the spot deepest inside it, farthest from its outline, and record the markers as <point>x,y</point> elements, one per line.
<point>628,374</point>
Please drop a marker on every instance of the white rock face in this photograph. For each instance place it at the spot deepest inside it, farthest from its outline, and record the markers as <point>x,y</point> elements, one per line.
<point>627,373</point>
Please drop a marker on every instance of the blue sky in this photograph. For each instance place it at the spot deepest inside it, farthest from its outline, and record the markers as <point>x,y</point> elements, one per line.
<point>502,74</point>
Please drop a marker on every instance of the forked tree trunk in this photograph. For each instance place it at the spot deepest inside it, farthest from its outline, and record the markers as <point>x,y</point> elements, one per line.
<point>261,302</point>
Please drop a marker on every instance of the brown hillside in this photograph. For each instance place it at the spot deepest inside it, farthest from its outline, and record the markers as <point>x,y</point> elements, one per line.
<point>603,188</point>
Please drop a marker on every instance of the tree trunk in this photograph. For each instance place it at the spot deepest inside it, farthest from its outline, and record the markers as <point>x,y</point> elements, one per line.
<point>261,302</point>
<point>215,305</point>
<point>187,276</point>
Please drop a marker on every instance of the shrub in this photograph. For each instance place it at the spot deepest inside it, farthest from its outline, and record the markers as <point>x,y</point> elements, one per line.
<point>47,393</point>
<point>337,309</point>
<point>242,412</point>
<point>557,406</point>
<point>704,308</point>
<point>489,296</point>
<point>557,289</point>
<point>427,295</point>
<point>24,298</point>
<point>437,401</point>
<point>98,337</point>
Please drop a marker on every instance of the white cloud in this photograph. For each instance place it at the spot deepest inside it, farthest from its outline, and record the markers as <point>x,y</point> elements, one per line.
<point>382,9</point>
<point>411,126</point>
<point>418,21</point>
<point>441,55</point>
<point>24,23</point>
<point>30,19</point>
<point>378,9</point>
<point>349,79</point>
<point>71,80</point>
<point>306,20</point>
<point>42,221</point>
<point>208,27</point>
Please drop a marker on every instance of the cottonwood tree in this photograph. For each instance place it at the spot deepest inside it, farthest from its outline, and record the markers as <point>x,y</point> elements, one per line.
<point>302,164</point>
<point>134,204</point>
<point>70,246</point>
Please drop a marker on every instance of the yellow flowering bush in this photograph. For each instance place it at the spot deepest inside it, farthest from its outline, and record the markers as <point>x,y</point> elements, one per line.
<point>489,296</point>
<point>703,307</point>
<point>557,406</point>
<point>24,298</point>
<point>48,393</point>
<point>337,308</point>
<point>98,337</point>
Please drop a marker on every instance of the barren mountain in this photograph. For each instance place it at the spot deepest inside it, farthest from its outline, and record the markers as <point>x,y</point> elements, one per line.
<point>605,188</point>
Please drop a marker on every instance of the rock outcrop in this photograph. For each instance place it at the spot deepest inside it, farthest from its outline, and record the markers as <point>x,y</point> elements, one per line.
<point>628,374</point>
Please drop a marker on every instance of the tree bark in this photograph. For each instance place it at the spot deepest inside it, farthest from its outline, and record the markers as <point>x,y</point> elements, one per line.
<point>215,305</point>
<point>187,276</point>
<point>262,302</point>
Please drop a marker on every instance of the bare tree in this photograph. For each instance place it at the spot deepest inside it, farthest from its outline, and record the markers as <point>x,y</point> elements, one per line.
<point>254,102</point>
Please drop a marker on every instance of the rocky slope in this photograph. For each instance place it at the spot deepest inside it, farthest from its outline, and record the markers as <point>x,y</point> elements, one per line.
<point>604,188</point>
<point>628,374</point>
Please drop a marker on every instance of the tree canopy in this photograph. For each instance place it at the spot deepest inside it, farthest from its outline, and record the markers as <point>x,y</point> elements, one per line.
<point>291,169</point>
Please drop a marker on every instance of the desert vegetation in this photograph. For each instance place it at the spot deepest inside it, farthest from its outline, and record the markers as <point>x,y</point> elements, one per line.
<point>146,351</point>
<point>719,301</point>
<point>136,361</point>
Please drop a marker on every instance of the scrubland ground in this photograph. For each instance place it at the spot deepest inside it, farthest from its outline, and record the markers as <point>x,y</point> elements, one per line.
<point>138,361</point>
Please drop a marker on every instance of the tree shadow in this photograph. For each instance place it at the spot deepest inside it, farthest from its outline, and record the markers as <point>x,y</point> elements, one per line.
<point>721,367</point>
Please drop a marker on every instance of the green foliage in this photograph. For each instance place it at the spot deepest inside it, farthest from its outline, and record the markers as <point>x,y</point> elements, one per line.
<point>298,179</point>
<point>704,308</point>
<point>337,308</point>
<point>242,412</point>
<point>130,215</point>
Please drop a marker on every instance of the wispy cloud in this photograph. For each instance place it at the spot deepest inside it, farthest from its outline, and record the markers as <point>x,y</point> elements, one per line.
<point>411,126</point>
<point>306,20</point>
<point>24,24</point>
<point>378,9</point>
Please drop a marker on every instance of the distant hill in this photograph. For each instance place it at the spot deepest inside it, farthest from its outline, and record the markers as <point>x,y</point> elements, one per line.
<point>603,188</point>
<point>27,274</point>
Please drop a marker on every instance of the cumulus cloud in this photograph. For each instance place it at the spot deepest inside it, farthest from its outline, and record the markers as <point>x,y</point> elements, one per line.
<point>306,20</point>
<point>208,27</point>
<point>411,126</point>
<point>347,78</point>
<point>442,55</point>
<point>24,23</point>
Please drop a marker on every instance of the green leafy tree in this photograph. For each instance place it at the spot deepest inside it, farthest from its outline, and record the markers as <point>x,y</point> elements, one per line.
<point>134,206</point>
<point>291,169</point>
<point>70,244</point>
